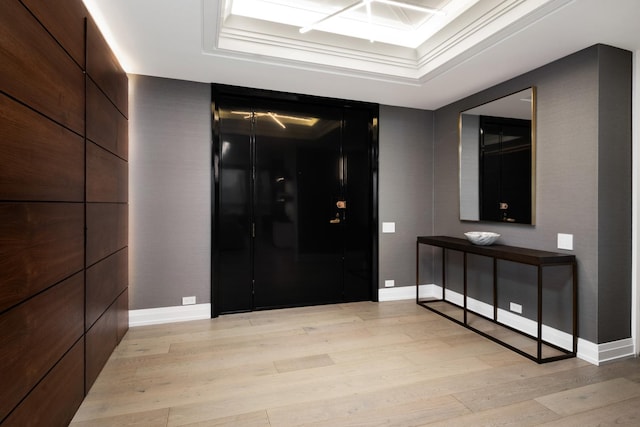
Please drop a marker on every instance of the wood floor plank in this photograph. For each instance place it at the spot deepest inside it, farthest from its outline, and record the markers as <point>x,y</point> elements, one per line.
<point>624,413</point>
<point>306,362</point>
<point>404,414</point>
<point>209,419</point>
<point>591,396</point>
<point>157,417</point>
<point>477,348</point>
<point>390,350</point>
<point>522,414</point>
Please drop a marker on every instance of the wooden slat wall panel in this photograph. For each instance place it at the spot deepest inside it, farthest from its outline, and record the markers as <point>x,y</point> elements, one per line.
<point>107,176</point>
<point>106,126</point>
<point>36,70</point>
<point>51,234</point>
<point>64,19</point>
<point>105,281</point>
<point>36,334</point>
<point>54,401</point>
<point>104,69</point>
<point>107,230</point>
<point>40,245</point>
<point>40,159</point>
<point>101,340</point>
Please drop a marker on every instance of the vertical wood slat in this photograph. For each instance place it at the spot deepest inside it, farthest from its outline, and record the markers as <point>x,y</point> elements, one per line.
<point>107,176</point>
<point>107,230</point>
<point>64,19</point>
<point>36,70</point>
<point>40,244</point>
<point>54,401</point>
<point>105,281</point>
<point>40,159</point>
<point>35,335</point>
<point>104,69</point>
<point>106,126</point>
<point>101,340</point>
<point>122,314</point>
<point>106,208</point>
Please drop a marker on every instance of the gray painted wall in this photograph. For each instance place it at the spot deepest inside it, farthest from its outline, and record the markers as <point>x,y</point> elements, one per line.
<point>169,191</point>
<point>405,190</point>
<point>583,178</point>
<point>614,201</point>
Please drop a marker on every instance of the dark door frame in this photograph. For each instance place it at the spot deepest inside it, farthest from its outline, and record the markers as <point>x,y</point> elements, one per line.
<point>218,90</point>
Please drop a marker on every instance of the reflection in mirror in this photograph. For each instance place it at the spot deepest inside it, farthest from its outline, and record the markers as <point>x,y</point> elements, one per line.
<point>497,160</point>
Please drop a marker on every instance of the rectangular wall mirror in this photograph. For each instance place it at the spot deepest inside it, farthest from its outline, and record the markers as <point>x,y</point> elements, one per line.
<point>497,160</point>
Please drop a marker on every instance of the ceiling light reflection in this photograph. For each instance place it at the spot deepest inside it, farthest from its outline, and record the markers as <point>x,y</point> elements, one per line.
<point>281,119</point>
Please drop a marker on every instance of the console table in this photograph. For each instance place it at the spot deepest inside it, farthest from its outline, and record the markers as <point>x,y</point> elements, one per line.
<point>540,259</point>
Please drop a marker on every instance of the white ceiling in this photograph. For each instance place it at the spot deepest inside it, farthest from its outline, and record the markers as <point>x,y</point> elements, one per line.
<point>494,40</point>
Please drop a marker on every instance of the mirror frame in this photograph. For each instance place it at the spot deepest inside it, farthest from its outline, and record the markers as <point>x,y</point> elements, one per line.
<point>489,108</point>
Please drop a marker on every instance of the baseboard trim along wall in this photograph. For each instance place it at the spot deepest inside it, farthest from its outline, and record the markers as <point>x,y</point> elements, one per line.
<point>180,313</point>
<point>599,354</point>
<point>596,354</point>
<point>398,293</point>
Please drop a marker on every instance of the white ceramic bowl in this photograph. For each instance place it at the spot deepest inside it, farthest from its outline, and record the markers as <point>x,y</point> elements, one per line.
<point>483,238</point>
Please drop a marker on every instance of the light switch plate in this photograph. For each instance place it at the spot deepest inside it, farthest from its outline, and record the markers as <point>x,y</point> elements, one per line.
<point>565,241</point>
<point>388,227</point>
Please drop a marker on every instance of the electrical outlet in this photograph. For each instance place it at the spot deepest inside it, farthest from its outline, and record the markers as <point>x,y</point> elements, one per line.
<point>188,300</point>
<point>389,283</point>
<point>516,308</point>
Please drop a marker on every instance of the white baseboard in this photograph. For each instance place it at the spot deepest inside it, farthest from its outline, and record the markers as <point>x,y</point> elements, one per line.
<point>406,292</point>
<point>397,294</point>
<point>181,313</point>
<point>596,354</point>
<point>599,354</point>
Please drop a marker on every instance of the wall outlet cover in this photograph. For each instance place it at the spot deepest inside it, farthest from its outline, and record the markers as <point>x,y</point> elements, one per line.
<point>188,300</point>
<point>516,308</point>
<point>389,283</point>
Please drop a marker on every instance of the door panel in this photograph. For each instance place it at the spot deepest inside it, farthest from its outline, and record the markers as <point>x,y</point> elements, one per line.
<point>298,246</point>
<point>233,237</point>
<point>359,229</point>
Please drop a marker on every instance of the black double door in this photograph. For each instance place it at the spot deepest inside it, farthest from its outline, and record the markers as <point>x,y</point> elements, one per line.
<point>294,193</point>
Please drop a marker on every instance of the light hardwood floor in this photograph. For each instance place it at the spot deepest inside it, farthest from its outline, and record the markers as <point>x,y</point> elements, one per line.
<point>365,364</point>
